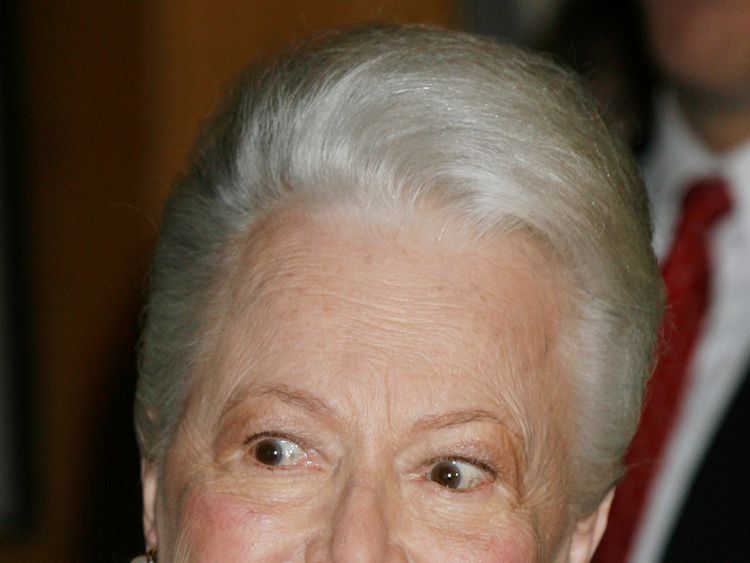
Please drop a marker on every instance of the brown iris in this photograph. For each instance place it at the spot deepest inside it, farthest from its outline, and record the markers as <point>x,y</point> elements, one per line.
<point>269,452</point>
<point>446,474</point>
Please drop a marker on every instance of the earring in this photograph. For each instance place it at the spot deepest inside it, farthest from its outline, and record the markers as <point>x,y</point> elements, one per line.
<point>150,557</point>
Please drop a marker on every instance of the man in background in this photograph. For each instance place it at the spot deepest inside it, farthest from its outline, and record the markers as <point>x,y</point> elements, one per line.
<point>687,493</point>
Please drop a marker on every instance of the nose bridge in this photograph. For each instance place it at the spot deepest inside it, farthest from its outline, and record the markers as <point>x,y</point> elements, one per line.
<point>362,528</point>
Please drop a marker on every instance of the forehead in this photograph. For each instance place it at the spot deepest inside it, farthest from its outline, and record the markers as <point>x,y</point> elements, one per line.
<point>320,302</point>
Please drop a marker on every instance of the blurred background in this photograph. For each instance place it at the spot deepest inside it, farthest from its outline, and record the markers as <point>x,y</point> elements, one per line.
<point>100,103</point>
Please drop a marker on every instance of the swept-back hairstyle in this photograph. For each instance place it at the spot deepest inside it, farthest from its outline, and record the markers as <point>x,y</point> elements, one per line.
<point>381,118</point>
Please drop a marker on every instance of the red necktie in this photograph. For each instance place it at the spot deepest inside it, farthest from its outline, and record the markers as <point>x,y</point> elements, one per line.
<point>687,275</point>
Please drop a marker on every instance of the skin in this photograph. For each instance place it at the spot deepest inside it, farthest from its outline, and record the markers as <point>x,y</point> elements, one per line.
<point>703,48</point>
<point>376,353</point>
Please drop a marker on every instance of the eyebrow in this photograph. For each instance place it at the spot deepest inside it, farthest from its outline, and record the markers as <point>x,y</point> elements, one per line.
<point>298,398</point>
<point>292,396</point>
<point>316,406</point>
<point>457,418</point>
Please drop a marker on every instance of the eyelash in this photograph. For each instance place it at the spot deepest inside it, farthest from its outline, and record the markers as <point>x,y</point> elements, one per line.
<point>481,464</point>
<point>272,434</point>
<point>254,439</point>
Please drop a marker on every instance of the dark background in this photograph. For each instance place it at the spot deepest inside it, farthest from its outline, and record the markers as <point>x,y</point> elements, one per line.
<point>100,103</point>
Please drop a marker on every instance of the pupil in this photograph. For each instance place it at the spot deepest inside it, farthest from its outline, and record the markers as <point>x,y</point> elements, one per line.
<point>268,452</point>
<point>446,474</point>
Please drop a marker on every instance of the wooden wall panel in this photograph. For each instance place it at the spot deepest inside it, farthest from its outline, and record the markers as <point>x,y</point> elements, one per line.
<point>112,94</point>
<point>81,130</point>
<point>201,49</point>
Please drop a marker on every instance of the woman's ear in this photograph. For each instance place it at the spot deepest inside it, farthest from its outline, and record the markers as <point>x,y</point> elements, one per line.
<point>589,531</point>
<point>149,484</point>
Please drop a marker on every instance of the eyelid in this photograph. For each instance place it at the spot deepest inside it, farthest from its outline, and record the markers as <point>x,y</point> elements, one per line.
<point>274,434</point>
<point>485,474</point>
<point>480,464</point>
<point>323,448</point>
<point>281,436</point>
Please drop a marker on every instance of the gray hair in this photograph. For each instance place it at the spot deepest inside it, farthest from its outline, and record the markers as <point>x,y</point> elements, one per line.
<point>379,117</point>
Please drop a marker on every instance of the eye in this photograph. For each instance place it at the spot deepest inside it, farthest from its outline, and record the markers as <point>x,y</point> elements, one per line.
<point>277,452</point>
<point>457,474</point>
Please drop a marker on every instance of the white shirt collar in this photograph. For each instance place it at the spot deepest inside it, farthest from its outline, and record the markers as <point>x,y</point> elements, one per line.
<point>676,158</point>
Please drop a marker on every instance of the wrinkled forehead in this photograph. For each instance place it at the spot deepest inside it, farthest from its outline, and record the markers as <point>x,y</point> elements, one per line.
<point>428,247</point>
<point>422,267</point>
<point>310,292</point>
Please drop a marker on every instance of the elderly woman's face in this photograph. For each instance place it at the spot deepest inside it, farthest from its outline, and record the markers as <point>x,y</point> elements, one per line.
<point>373,397</point>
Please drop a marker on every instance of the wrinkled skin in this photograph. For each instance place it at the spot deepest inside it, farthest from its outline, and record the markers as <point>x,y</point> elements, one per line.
<point>371,357</point>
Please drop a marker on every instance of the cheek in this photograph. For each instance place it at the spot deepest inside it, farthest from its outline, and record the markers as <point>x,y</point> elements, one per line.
<point>511,542</point>
<point>501,549</point>
<point>222,527</point>
<point>508,549</point>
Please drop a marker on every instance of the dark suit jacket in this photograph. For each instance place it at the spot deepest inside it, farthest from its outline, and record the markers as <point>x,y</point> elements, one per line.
<point>714,525</point>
